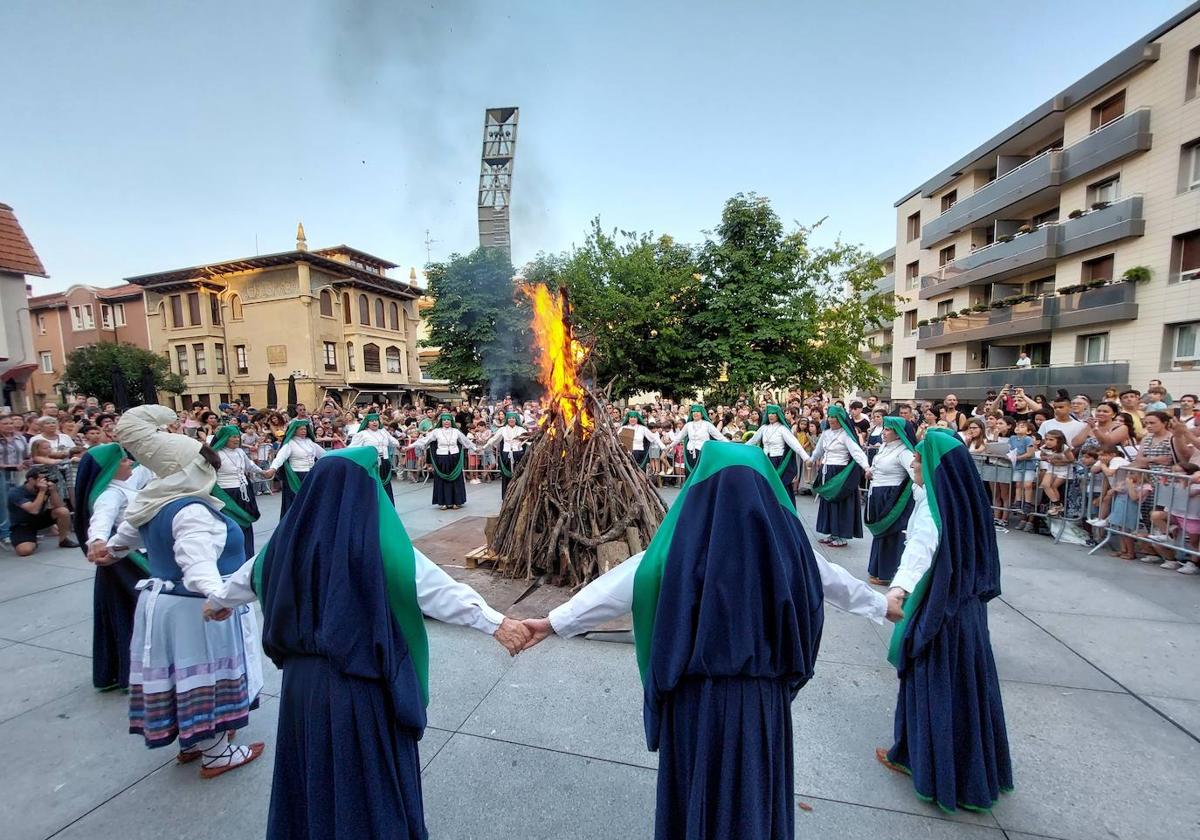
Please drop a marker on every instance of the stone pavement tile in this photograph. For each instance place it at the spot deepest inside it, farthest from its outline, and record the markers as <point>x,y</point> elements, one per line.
<point>1027,653</point>
<point>464,664</point>
<point>1186,713</point>
<point>478,789</point>
<point>846,821</point>
<point>49,554</point>
<point>431,743</point>
<point>1147,657</point>
<point>1090,764</point>
<point>850,639</point>
<point>1047,590</point>
<point>65,758</point>
<point>1168,589</point>
<point>231,806</point>
<point>838,720</point>
<point>74,638</point>
<point>39,613</point>
<point>33,676</point>
<point>24,577</point>
<point>581,697</point>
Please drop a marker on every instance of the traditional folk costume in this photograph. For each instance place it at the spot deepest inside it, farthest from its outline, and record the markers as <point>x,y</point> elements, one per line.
<point>355,658</point>
<point>190,679</point>
<point>839,510</point>
<point>447,457</point>
<point>950,730</point>
<point>727,606</point>
<point>643,439</point>
<point>510,438</point>
<point>296,456</point>
<point>100,503</point>
<point>781,445</point>
<point>233,485</point>
<point>383,442</point>
<point>696,432</point>
<point>890,500</point>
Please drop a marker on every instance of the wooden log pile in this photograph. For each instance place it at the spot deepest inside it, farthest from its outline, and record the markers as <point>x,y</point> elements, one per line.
<point>577,504</point>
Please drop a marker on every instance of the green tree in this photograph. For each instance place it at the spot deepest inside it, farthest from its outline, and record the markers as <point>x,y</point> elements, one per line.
<point>781,312</point>
<point>89,371</point>
<point>635,298</point>
<point>480,324</point>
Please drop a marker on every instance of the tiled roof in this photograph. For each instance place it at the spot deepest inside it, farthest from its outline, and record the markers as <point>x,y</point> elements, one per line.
<point>16,254</point>
<point>123,291</point>
<point>53,299</point>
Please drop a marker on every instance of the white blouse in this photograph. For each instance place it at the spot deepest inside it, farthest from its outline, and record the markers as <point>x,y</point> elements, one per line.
<point>921,542</point>
<point>512,436</point>
<point>109,510</point>
<point>380,439</point>
<point>699,431</point>
<point>836,448</point>
<point>775,437</point>
<point>300,453</point>
<point>447,441</point>
<point>235,466</point>
<point>199,540</point>
<point>892,464</point>
<point>641,436</point>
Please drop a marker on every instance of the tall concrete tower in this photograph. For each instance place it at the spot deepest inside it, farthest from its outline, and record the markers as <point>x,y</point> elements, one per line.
<point>495,177</point>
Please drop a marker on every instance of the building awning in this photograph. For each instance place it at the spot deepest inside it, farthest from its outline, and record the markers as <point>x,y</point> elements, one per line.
<point>444,396</point>
<point>19,373</point>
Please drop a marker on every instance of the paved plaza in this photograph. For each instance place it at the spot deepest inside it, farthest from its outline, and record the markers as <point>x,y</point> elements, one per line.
<point>1097,658</point>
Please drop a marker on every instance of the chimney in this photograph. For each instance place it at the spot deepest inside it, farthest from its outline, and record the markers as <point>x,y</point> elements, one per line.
<point>301,242</point>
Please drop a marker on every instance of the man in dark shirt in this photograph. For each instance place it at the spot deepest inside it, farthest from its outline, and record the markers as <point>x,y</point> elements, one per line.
<point>35,505</point>
<point>463,419</point>
<point>859,421</point>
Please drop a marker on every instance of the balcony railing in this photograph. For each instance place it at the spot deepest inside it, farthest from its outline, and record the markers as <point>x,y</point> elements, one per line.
<point>1106,145</point>
<point>973,385</point>
<point>1040,247</point>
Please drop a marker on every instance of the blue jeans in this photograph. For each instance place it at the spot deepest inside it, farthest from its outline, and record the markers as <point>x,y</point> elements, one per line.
<point>5,486</point>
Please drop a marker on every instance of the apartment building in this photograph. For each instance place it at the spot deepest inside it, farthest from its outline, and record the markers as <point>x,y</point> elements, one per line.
<point>1073,236</point>
<point>878,351</point>
<point>18,260</point>
<point>332,318</point>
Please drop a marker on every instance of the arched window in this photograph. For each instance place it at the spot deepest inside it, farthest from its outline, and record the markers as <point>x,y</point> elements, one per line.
<point>364,310</point>
<point>371,358</point>
<point>235,307</point>
<point>326,303</point>
<point>349,349</point>
<point>394,317</point>
<point>162,314</point>
<point>393,359</point>
<point>346,309</point>
<point>379,322</point>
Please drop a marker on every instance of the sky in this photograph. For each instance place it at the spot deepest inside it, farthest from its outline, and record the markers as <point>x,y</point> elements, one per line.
<point>138,136</point>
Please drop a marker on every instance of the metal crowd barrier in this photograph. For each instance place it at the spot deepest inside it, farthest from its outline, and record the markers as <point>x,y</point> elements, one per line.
<point>1165,513</point>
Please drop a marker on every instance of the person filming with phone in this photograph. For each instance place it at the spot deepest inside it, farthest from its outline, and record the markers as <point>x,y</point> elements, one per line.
<point>36,505</point>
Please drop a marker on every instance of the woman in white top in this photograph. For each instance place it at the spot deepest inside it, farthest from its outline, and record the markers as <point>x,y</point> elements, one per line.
<point>843,462</point>
<point>449,486</point>
<point>890,498</point>
<point>643,439</point>
<point>371,433</point>
<point>510,438</point>
<point>780,445</point>
<point>296,456</point>
<point>696,431</point>
<point>233,482</point>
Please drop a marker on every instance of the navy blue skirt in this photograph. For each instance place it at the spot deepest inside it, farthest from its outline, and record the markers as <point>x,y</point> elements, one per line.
<point>114,602</point>
<point>886,548</point>
<point>288,495</point>
<point>250,505</point>
<point>449,492</point>
<point>788,476</point>
<point>725,764</point>
<point>950,729</point>
<point>841,518</point>
<point>510,461</point>
<point>344,768</point>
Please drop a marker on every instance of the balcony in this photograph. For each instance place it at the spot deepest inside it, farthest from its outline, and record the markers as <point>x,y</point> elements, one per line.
<point>877,355</point>
<point>1038,248</point>
<point>1113,302</point>
<point>972,386</point>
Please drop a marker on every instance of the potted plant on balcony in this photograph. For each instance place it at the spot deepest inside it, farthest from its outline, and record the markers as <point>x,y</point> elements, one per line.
<point>1136,274</point>
<point>924,322</point>
<point>1006,238</point>
<point>951,314</point>
<point>999,304</point>
<point>1099,205</point>
<point>1024,229</point>
<point>1095,284</point>
<point>1074,214</point>
<point>979,307</point>
<point>1070,290</point>
<point>965,311</point>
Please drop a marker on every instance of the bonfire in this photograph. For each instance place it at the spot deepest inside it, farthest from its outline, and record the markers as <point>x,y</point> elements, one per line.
<point>577,504</point>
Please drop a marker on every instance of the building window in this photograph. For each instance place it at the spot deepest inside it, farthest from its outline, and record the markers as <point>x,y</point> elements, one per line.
<point>239,358</point>
<point>219,357</point>
<point>76,317</point>
<point>106,319</point>
<point>119,314</point>
<point>914,226</point>
<point>394,317</point>
<point>912,275</point>
<point>235,307</point>
<point>181,359</point>
<point>1185,257</point>
<point>346,309</point>
<point>1185,345</point>
<point>1046,218</point>
<point>1092,348</point>
<point>393,359</point>
<point>326,304</point>
<point>946,255</point>
<point>945,307</point>
<point>908,369</point>
<point>949,200</point>
<point>330,356</point>
<point>1110,109</point>
<point>176,311</point>
<point>364,312</point>
<point>201,364</point>
<point>1041,287</point>
<point>47,362</point>
<point>1193,76</point>
<point>193,302</point>
<point>349,351</point>
<point>910,322</point>
<point>379,322</point>
<point>214,309</point>
<point>1099,269</point>
<point>41,322</point>
<point>371,358</point>
<point>1106,191</point>
<point>1189,167</point>
<point>941,363</point>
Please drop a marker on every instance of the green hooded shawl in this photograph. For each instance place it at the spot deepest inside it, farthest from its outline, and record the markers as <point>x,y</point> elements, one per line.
<point>900,426</point>
<point>289,474</point>
<point>109,457</point>
<point>458,466</point>
<point>832,488</point>
<point>232,509</point>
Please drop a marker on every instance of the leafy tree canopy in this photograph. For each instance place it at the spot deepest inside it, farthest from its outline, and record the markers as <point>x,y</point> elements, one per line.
<point>89,371</point>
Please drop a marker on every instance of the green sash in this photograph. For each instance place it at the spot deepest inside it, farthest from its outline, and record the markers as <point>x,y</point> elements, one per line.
<point>453,474</point>
<point>232,509</point>
<point>882,525</point>
<point>783,465</point>
<point>140,560</point>
<point>505,469</point>
<point>293,478</point>
<point>830,490</point>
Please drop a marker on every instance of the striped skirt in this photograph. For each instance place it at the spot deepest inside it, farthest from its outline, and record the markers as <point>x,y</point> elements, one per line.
<point>189,678</point>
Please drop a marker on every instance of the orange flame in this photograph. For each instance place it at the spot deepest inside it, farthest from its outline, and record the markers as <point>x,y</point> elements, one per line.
<point>559,355</point>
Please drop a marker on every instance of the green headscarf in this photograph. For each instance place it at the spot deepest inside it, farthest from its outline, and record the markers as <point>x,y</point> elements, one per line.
<point>445,415</point>
<point>512,415</point>
<point>900,426</point>
<point>374,415</point>
<point>698,407</point>
<point>296,424</point>
<point>838,414</point>
<point>233,508</point>
<point>224,434</point>
<point>109,457</point>
<point>773,409</point>
<point>632,413</point>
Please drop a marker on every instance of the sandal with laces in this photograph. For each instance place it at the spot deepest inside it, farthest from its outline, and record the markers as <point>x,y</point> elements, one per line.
<point>230,758</point>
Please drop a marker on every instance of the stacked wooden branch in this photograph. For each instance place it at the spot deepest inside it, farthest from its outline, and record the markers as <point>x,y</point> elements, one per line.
<point>575,497</point>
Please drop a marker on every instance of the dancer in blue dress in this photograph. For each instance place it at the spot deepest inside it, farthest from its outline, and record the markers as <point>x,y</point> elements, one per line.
<point>889,499</point>
<point>842,464</point>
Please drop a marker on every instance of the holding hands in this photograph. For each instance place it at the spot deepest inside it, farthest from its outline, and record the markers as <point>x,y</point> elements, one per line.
<point>895,604</point>
<point>512,635</point>
<point>99,554</point>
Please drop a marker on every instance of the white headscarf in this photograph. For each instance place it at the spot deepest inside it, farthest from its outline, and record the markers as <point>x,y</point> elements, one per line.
<point>175,460</point>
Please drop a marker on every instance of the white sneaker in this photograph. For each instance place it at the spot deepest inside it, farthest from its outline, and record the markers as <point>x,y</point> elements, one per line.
<point>1171,564</point>
<point>1189,569</point>
<point>6,544</point>
<point>1098,523</point>
<point>1148,558</point>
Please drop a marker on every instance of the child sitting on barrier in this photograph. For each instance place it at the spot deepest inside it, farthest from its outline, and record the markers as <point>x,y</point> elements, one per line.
<point>1179,520</point>
<point>1022,453</point>
<point>1056,456</point>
